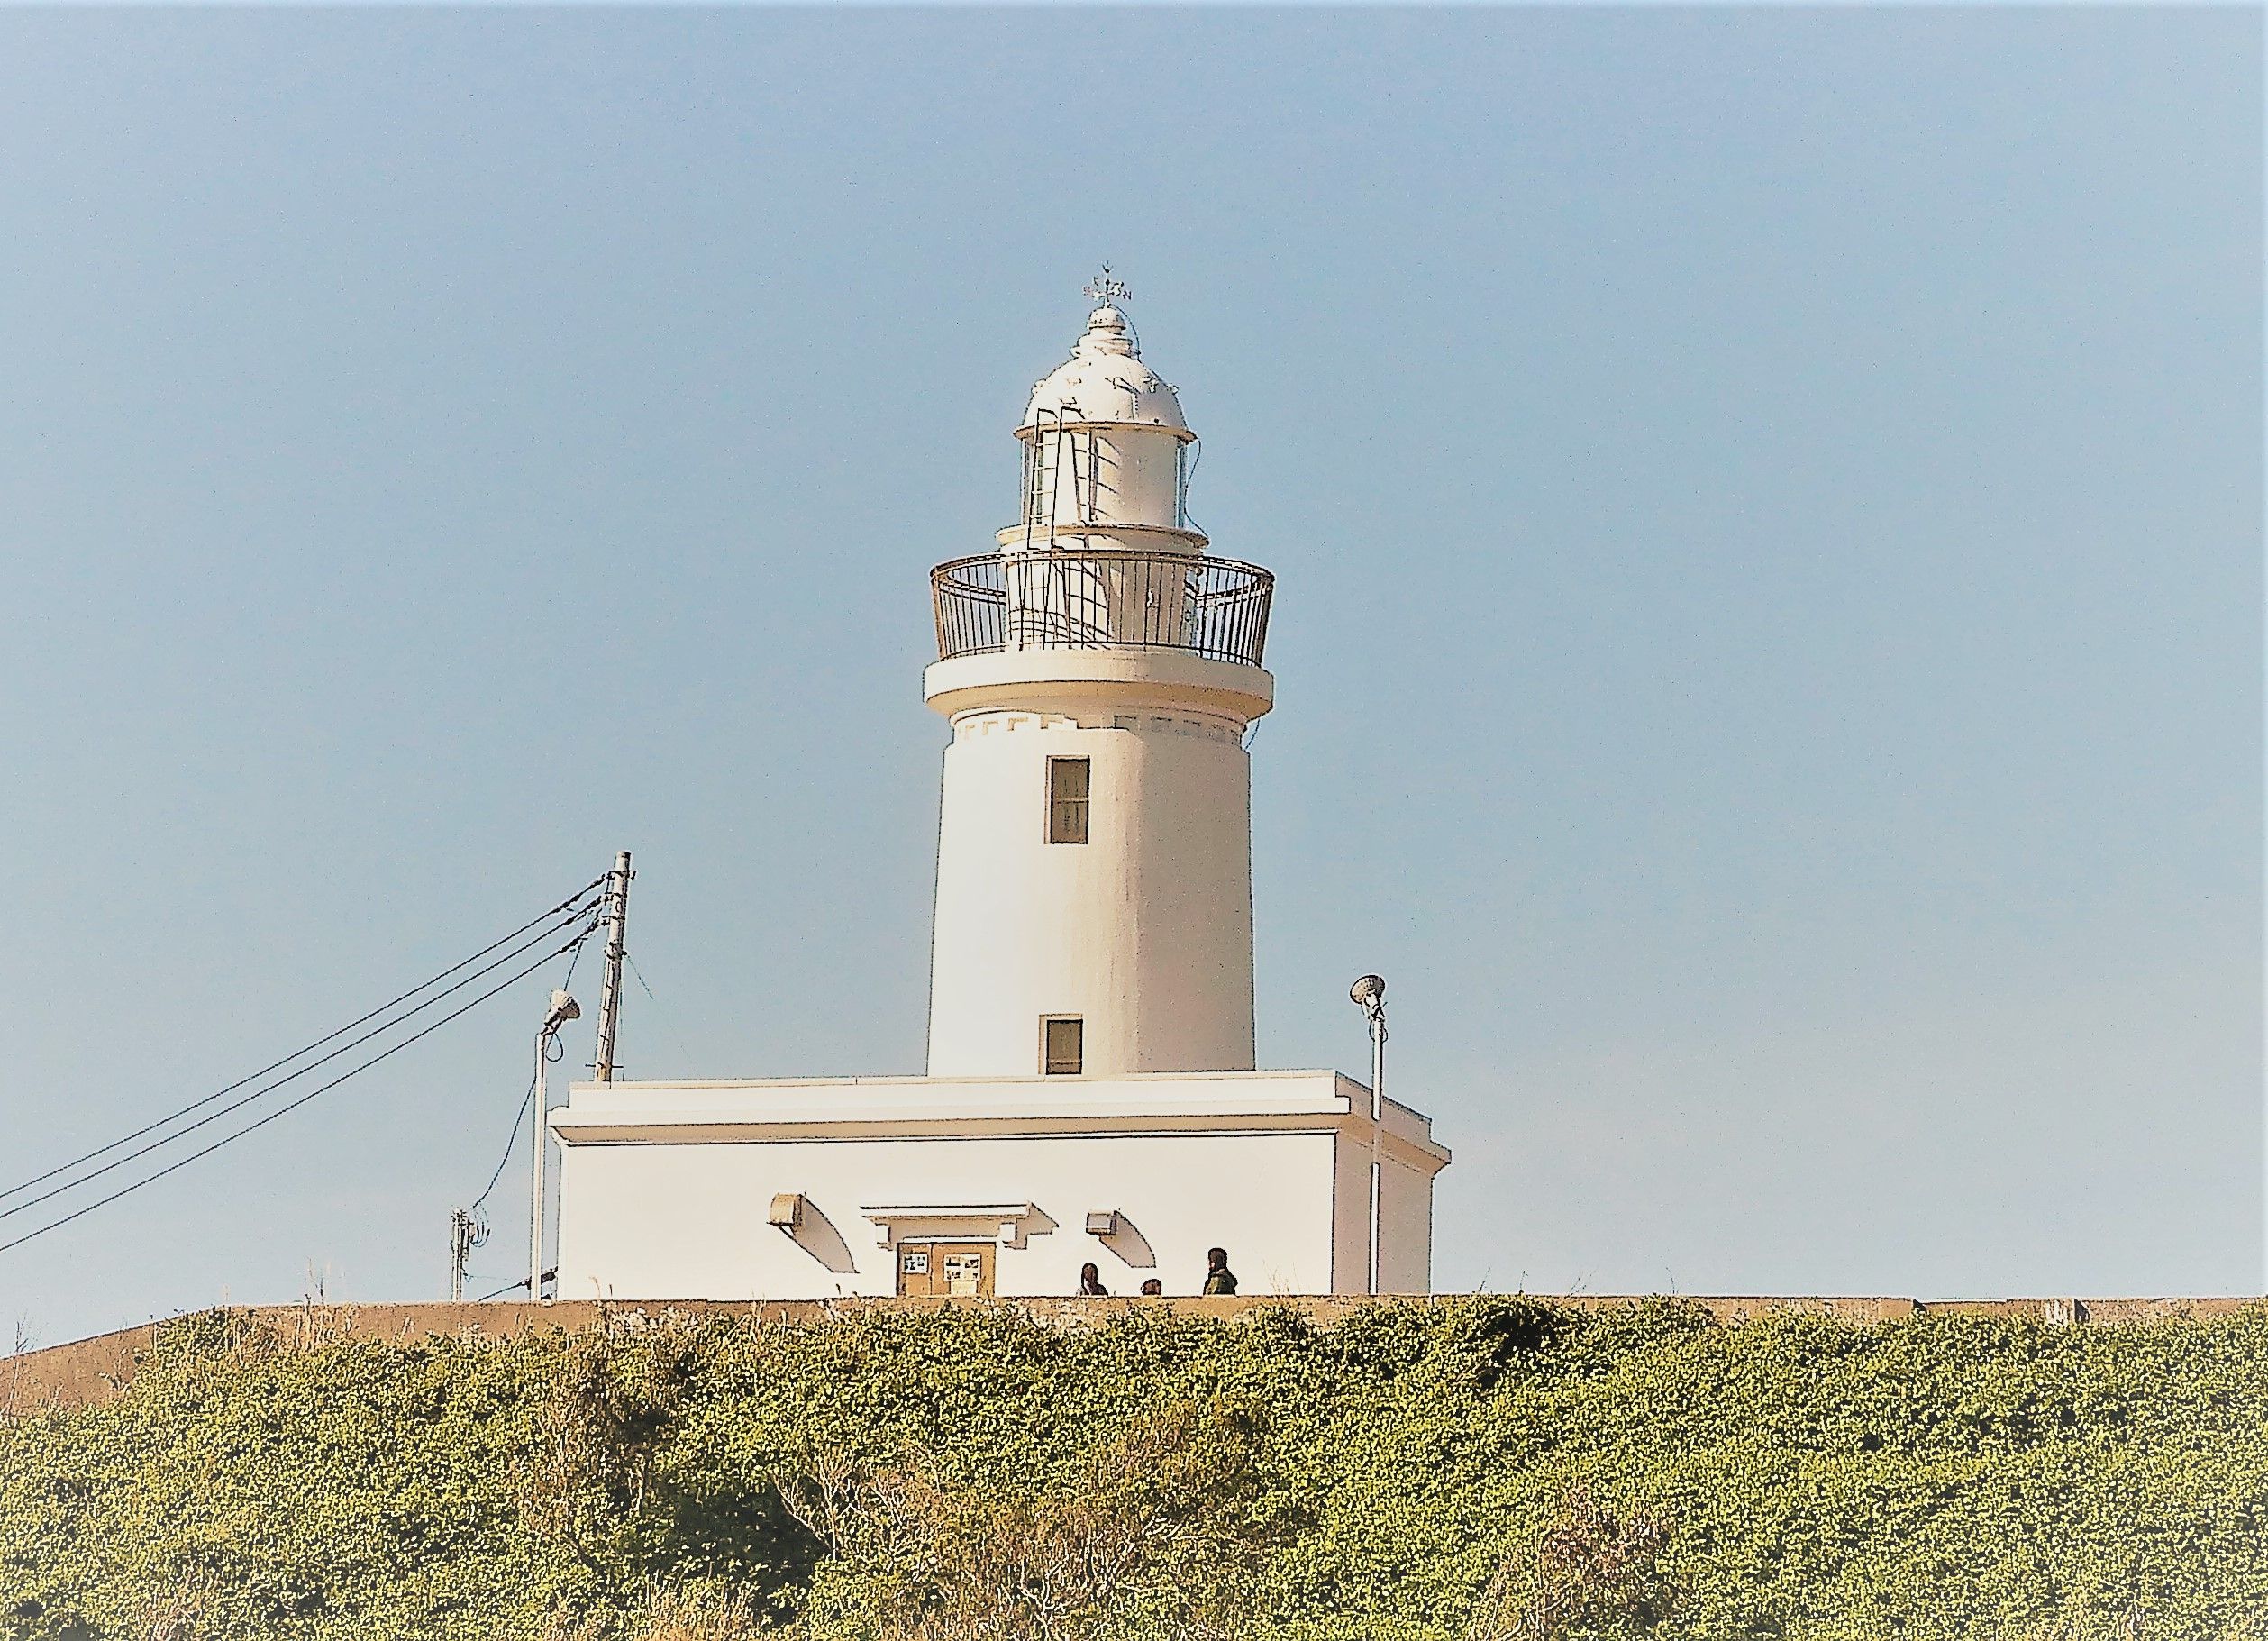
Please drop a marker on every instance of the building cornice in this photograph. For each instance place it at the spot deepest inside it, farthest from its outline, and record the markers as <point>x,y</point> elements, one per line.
<point>1069,679</point>
<point>949,1108</point>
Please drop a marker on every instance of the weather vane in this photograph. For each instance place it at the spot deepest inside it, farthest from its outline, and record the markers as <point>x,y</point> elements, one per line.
<point>1105,288</point>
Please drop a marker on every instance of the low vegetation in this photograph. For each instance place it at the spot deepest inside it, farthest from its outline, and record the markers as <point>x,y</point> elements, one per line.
<point>1480,1470</point>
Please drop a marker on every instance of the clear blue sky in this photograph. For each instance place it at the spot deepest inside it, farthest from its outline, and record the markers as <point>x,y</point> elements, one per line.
<point>1767,507</point>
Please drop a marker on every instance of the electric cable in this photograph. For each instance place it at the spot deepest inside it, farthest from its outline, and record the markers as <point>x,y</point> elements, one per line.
<point>262,1122</point>
<point>512,1142</point>
<point>513,1288</point>
<point>667,1019</point>
<point>586,913</point>
<point>510,1146</point>
<point>299,1054</point>
<point>568,979</point>
<point>70,1185</point>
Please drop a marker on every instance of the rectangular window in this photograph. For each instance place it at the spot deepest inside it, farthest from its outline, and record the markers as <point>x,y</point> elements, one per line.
<point>1067,780</point>
<point>1065,1046</point>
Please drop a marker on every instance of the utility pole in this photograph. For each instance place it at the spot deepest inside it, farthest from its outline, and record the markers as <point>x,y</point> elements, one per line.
<point>466,1233</point>
<point>615,908</point>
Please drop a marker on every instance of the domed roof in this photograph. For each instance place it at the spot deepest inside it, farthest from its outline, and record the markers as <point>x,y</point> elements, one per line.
<point>1104,381</point>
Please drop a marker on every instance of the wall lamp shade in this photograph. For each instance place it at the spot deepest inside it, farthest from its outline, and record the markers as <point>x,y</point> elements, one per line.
<point>1102,1222</point>
<point>786,1210</point>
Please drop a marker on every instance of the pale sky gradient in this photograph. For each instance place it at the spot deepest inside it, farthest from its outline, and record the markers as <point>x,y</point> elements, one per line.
<point>1767,507</point>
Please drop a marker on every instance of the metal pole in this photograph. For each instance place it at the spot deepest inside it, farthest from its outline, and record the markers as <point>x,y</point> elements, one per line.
<point>1369,994</point>
<point>1378,1128</point>
<point>617,917</point>
<point>535,1174</point>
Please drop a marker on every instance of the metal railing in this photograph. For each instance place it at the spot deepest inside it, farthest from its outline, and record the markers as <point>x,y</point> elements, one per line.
<point>1120,599</point>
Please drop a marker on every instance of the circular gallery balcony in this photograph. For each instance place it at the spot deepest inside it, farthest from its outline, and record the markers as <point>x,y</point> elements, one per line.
<point>1054,599</point>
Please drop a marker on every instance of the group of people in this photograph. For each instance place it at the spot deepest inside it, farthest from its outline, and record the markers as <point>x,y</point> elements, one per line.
<point>1218,1277</point>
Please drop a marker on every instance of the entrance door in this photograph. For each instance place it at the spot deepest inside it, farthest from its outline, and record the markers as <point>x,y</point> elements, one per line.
<point>939,1270</point>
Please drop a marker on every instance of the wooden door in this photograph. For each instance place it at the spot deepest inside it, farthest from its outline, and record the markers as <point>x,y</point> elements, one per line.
<point>939,1270</point>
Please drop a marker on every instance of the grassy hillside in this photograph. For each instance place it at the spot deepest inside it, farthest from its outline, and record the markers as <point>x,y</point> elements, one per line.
<point>1478,1468</point>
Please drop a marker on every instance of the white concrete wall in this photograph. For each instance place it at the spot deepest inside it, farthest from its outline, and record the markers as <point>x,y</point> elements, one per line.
<point>1406,1228</point>
<point>1145,931</point>
<point>1406,1199</point>
<point>652,1221</point>
<point>666,1187</point>
<point>1105,475</point>
<point>1351,1213</point>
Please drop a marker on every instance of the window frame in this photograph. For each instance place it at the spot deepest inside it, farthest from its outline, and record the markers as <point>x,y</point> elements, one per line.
<point>1058,808</point>
<point>1048,1023</point>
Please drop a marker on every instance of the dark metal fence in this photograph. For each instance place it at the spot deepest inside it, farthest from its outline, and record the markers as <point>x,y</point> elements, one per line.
<point>1059,599</point>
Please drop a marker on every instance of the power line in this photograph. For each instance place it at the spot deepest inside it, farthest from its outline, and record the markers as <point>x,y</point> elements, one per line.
<point>512,1143</point>
<point>568,979</point>
<point>262,1122</point>
<point>510,1288</point>
<point>237,1104</point>
<point>668,1018</point>
<point>300,1053</point>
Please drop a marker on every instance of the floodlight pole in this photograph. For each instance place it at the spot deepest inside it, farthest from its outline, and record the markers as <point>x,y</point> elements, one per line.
<point>1369,994</point>
<point>563,1009</point>
<point>540,1097</point>
<point>1378,1129</point>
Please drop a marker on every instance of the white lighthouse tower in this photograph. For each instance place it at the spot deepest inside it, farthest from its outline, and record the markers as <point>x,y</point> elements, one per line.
<point>1091,1095</point>
<point>1093,865</point>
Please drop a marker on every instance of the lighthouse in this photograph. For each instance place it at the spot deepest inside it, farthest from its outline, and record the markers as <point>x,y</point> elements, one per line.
<point>1100,669</point>
<point>1091,1095</point>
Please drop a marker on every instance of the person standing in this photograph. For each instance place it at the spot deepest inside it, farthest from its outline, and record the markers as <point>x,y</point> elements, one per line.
<point>1090,1281</point>
<point>1218,1277</point>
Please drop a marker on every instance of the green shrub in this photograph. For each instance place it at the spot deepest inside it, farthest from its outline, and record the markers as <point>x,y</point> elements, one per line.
<point>1404,1473</point>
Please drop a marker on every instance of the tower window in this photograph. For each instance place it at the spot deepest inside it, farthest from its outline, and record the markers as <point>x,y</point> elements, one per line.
<point>1067,781</point>
<point>1064,1043</point>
